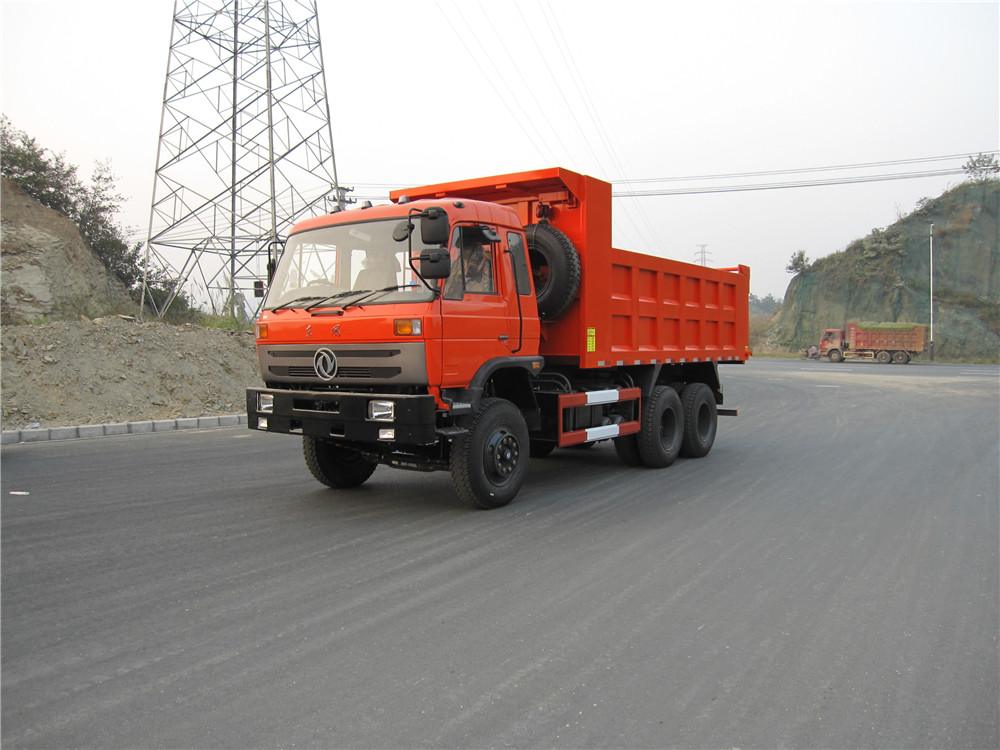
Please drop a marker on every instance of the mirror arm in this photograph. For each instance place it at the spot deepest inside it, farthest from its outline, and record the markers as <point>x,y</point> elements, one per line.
<point>409,254</point>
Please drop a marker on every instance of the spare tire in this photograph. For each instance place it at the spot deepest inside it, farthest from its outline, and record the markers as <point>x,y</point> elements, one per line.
<point>555,269</point>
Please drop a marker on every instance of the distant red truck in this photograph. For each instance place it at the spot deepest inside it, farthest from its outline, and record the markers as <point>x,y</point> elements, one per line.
<point>884,343</point>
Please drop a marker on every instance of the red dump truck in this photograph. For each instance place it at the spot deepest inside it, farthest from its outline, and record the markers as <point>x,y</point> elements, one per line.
<point>881,342</point>
<point>470,325</point>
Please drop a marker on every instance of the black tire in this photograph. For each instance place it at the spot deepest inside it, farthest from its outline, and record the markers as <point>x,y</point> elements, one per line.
<point>701,420</point>
<point>835,355</point>
<point>662,428</point>
<point>335,465</point>
<point>901,357</point>
<point>488,463</point>
<point>627,449</point>
<point>541,448</point>
<point>555,269</point>
<point>883,357</point>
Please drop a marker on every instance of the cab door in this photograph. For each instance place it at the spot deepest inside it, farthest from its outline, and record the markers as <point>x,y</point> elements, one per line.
<point>475,306</point>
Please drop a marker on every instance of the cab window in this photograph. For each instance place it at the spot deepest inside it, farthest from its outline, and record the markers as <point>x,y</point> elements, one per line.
<point>472,264</point>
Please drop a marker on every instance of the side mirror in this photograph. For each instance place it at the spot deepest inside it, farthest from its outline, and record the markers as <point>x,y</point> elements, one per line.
<point>258,287</point>
<point>435,263</point>
<point>434,227</point>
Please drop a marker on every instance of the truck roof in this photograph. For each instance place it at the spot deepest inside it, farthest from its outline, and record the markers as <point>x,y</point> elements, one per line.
<point>458,209</point>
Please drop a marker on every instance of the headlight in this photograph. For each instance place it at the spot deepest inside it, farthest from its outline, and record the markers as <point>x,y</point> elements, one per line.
<point>265,402</point>
<point>381,411</point>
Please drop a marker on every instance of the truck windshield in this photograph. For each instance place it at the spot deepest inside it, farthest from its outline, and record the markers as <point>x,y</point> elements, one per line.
<point>358,257</point>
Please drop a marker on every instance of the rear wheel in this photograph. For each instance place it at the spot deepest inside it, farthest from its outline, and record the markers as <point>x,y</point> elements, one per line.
<point>883,358</point>
<point>900,358</point>
<point>662,428</point>
<point>835,355</point>
<point>489,463</point>
<point>701,420</point>
<point>336,465</point>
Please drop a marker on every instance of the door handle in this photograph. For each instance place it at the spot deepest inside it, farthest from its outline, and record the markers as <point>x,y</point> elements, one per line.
<point>503,337</point>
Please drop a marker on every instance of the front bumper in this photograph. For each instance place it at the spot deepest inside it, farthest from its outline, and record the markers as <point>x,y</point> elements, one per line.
<point>344,416</point>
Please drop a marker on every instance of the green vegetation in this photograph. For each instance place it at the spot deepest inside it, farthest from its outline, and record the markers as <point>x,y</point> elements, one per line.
<point>798,262</point>
<point>52,181</point>
<point>223,322</point>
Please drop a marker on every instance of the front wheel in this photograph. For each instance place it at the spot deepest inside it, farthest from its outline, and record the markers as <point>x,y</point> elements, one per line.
<point>835,355</point>
<point>489,463</point>
<point>336,465</point>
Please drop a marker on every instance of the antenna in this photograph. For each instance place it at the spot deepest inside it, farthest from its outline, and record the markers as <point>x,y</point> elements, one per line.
<point>245,149</point>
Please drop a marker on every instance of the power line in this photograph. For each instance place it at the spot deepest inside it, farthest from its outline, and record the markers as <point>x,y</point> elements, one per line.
<point>787,185</point>
<point>798,170</point>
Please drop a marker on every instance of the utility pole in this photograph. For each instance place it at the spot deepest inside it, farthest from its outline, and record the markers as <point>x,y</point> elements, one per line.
<point>930,238</point>
<point>702,254</point>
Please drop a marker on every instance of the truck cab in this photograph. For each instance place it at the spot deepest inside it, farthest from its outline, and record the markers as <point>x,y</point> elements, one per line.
<point>832,344</point>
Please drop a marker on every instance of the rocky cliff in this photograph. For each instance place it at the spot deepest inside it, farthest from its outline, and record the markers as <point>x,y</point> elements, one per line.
<point>48,271</point>
<point>885,277</point>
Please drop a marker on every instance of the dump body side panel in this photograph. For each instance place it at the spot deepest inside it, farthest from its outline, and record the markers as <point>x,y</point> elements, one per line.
<point>893,338</point>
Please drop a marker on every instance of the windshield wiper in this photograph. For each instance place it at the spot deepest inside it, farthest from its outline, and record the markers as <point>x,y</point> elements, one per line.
<point>376,293</point>
<point>338,295</point>
<point>291,302</point>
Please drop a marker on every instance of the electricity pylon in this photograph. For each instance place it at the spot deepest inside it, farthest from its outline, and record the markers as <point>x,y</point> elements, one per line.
<point>245,148</point>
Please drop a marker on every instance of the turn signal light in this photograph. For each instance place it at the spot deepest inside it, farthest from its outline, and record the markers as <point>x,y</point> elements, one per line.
<point>261,330</point>
<point>407,326</point>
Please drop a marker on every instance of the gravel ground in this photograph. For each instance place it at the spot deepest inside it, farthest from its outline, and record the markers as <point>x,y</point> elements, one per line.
<point>115,370</point>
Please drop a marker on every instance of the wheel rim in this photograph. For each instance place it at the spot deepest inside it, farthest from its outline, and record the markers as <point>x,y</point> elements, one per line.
<point>501,456</point>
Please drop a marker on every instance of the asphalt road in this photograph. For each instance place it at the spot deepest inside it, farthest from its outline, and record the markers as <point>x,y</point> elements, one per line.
<point>826,577</point>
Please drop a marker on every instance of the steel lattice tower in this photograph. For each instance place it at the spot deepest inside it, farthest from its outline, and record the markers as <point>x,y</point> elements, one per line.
<point>245,146</point>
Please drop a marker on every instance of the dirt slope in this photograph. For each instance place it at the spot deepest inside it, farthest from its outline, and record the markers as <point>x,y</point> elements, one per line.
<point>114,370</point>
<point>68,359</point>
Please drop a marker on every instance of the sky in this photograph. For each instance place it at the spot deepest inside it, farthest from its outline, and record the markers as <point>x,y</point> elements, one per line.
<point>623,91</point>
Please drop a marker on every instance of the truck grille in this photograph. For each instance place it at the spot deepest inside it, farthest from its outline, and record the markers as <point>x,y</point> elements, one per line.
<point>303,371</point>
<point>397,364</point>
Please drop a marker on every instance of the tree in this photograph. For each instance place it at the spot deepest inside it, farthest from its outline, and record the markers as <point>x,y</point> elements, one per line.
<point>768,305</point>
<point>982,168</point>
<point>798,262</point>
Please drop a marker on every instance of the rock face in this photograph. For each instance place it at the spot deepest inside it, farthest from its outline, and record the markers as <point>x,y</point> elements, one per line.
<point>48,271</point>
<point>885,277</point>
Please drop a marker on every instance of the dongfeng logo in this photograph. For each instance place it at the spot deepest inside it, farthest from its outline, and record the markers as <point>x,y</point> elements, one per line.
<point>325,364</point>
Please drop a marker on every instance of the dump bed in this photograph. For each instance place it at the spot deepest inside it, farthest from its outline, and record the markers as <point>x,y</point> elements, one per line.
<point>886,336</point>
<point>632,308</point>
